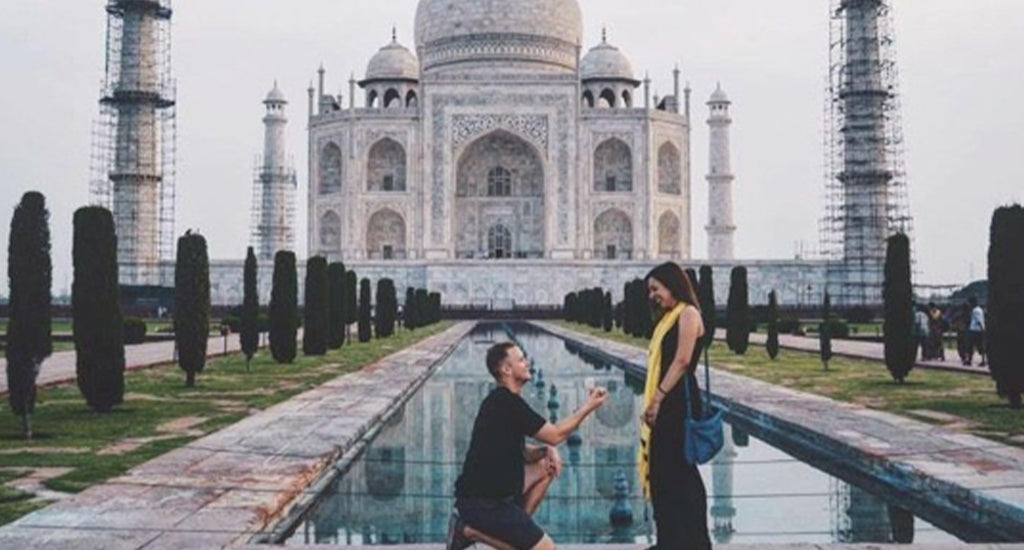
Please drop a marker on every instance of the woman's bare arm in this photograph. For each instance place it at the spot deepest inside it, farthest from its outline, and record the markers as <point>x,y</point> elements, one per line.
<point>690,329</point>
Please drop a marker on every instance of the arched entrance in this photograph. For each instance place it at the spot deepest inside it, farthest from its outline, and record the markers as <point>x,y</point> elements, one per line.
<point>499,199</point>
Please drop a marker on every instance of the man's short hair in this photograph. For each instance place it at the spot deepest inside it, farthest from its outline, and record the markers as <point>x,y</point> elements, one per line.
<point>496,355</point>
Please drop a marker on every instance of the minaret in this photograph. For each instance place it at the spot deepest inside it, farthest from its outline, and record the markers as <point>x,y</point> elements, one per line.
<point>720,226</point>
<point>133,157</point>
<point>274,186</point>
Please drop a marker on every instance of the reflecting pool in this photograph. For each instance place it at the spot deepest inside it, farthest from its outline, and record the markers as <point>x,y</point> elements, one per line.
<point>400,491</point>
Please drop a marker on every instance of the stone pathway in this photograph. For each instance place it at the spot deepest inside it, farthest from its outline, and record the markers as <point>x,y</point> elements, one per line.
<point>33,482</point>
<point>718,547</point>
<point>856,349</point>
<point>968,478</point>
<point>60,367</point>
<point>220,490</point>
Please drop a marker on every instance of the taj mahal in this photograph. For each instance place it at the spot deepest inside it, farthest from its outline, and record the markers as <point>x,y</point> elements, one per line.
<point>501,162</point>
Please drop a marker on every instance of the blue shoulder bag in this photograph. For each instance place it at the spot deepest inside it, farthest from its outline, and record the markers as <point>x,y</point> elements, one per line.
<point>704,436</point>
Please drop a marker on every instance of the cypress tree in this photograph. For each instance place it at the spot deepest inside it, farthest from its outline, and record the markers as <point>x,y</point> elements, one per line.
<point>423,306</point>
<point>191,305</point>
<point>336,299</point>
<point>898,295</point>
<point>825,332</point>
<point>628,316</point>
<point>411,314</point>
<point>365,332</point>
<point>694,282</point>
<point>737,314</point>
<point>435,307</point>
<point>706,295</point>
<point>645,319</point>
<point>317,307</point>
<point>96,310</point>
<point>284,308</point>
<point>351,300</point>
<point>29,271</point>
<point>387,309</point>
<point>1005,329</point>
<point>250,334</point>
<point>608,312</point>
<point>772,345</point>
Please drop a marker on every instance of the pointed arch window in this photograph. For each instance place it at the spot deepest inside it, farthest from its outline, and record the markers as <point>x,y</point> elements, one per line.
<point>499,182</point>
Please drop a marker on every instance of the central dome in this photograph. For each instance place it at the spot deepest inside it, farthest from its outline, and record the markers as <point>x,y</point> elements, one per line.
<point>454,31</point>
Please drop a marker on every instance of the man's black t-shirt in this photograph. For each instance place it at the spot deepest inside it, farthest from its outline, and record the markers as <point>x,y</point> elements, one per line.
<point>494,463</point>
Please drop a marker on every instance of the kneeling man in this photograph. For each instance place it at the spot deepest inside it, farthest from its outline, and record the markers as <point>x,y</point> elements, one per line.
<point>504,480</point>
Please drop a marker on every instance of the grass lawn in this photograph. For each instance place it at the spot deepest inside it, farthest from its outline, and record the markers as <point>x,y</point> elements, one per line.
<point>970,398</point>
<point>68,434</point>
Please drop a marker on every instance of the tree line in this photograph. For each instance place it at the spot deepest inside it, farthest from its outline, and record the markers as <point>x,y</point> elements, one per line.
<point>634,316</point>
<point>99,329</point>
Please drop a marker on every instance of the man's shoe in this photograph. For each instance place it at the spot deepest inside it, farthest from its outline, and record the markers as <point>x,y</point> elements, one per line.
<point>457,539</point>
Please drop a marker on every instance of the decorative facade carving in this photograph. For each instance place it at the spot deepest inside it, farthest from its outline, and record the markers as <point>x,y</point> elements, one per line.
<point>467,127</point>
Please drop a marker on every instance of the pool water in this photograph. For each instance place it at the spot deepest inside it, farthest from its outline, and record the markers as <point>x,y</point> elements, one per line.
<point>400,491</point>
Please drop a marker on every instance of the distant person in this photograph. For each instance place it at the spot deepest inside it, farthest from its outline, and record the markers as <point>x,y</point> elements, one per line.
<point>675,487</point>
<point>503,480</point>
<point>936,330</point>
<point>921,331</point>
<point>959,319</point>
<point>976,332</point>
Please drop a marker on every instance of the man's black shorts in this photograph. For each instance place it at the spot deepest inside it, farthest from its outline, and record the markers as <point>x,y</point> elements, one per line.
<point>504,520</point>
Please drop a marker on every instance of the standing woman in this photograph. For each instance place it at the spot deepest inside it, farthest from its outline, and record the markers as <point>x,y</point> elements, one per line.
<point>674,487</point>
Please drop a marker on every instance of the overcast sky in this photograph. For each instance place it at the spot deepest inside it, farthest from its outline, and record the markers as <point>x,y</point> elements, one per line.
<point>962,83</point>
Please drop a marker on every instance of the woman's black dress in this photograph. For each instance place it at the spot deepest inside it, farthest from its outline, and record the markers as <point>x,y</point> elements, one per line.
<point>677,491</point>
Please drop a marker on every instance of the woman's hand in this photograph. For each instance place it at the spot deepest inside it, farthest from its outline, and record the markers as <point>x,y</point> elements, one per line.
<point>651,414</point>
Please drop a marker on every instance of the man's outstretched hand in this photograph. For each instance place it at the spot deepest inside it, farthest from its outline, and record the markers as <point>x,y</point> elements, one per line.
<point>596,397</point>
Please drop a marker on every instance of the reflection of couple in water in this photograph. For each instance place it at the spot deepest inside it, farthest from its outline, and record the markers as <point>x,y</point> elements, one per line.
<point>504,480</point>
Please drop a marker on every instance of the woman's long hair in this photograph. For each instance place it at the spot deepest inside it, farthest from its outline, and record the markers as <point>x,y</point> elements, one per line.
<point>676,281</point>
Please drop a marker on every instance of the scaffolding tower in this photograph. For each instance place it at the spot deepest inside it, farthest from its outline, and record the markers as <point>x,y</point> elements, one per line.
<point>866,182</point>
<point>134,138</point>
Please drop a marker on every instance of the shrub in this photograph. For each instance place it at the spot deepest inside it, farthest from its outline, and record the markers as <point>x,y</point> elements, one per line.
<point>249,330</point>
<point>316,307</point>
<point>284,308</point>
<point>30,270</point>
<point>387,309</point>
<point>336,298</point>
<point>859,315</point>
<point>706,295</point>
<point>365,332</point>
<point>772,344</point>
<point>1006,303</point>
<point>134,330</point>
<point>898,295</point>
<point>96,309</point>
<point>191,305</point>
<point>825,332</point>
<point>737,316</point>
<point>790,325</point>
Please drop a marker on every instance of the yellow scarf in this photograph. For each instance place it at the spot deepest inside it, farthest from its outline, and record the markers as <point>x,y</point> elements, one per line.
<point>651,388</point>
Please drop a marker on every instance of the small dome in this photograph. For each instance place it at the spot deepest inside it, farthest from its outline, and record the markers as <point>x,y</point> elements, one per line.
<point>275,95</point>
<point>606,62</point>
<point>719,96</point>
<point>393,62</point>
